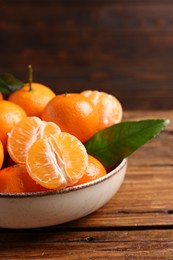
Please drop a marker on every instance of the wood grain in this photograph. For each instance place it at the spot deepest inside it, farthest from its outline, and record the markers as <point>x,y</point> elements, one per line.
<point>122,47</point>
<point>87,245</point>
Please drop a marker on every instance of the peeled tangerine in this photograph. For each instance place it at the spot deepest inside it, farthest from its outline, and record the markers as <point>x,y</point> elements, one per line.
<point>57,161</point>
<point>25,133</point>
<point>109,108</point>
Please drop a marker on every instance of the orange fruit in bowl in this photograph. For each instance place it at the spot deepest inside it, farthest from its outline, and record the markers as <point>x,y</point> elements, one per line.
<point>74,114</point>
<point>15,179</point>
<point>108,107</point>
<point>57,161</point>
<point>10,114</point>
<point>1,154</point>
<point>94,170</point>
<point>32,97</point>
<point>25,133</point>
<point>33,100</point>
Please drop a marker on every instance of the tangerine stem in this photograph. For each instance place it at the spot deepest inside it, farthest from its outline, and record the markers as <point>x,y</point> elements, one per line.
<point>30,77</point>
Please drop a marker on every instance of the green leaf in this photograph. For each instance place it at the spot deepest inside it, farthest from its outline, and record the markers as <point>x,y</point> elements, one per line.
<point>117,142</point>
<point>9,84</point>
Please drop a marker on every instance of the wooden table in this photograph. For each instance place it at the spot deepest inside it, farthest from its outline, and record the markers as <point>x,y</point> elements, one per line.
<point>136,224</point>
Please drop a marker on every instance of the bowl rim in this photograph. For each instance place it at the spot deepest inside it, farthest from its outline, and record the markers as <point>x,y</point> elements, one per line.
<point>68,189</point>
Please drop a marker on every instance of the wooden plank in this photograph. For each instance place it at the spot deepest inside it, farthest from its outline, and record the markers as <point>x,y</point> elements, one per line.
<point>108,17</point>
<point>90,2</point>
<point>51,244</point>
<point>70,29</point>
<point>76,47</point>
<point>158,152</point>
<point>76,51</point>
<point>141,115</point>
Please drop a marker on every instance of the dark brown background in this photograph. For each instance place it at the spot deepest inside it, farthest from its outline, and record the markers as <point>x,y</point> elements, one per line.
<point>123,47</point>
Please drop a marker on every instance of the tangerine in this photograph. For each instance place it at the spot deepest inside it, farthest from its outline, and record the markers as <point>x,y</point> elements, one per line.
<point>15,179</point>
<point>32,97</point>
<point>74,114</point>
<point>25,133</point>
<point>10,114</point>
<point>33,100</point>
<point>94,170</point>
<point>57,161</point>
<point>108,107</point>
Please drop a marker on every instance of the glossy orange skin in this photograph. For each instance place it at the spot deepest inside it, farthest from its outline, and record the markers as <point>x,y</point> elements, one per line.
<point>10,114</point>
<point>1,154</point>
<point>74,114</point>
<point>34,101</point>
<point>94,171</point>
<point>15,179</point>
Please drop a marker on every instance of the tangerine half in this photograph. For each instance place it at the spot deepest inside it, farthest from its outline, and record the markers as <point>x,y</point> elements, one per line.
<point>57,161</point>
<point>25,133</point>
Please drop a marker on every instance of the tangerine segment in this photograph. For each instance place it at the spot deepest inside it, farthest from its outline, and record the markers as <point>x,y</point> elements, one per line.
<point>15,179</point>
<point>48,128</point>
<point>1,154</point>
<point>58,161</point>
<point>94,170</point>
<point>74,114</point>
<point>108,107</point>
<point>25,133</point>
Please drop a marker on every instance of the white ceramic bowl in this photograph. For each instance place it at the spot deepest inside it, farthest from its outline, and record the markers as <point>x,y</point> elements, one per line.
<point>41,209</point>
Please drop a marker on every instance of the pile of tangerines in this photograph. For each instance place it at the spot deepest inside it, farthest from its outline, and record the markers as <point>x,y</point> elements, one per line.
<point>42,137</point>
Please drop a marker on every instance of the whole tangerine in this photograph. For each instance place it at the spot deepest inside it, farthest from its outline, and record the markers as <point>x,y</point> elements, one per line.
<point>74,114</point>
<point>33,100</point>
<point>15,179</point>
<point>32,97</point>
<point>10,114</point>
<point>94,170</point>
